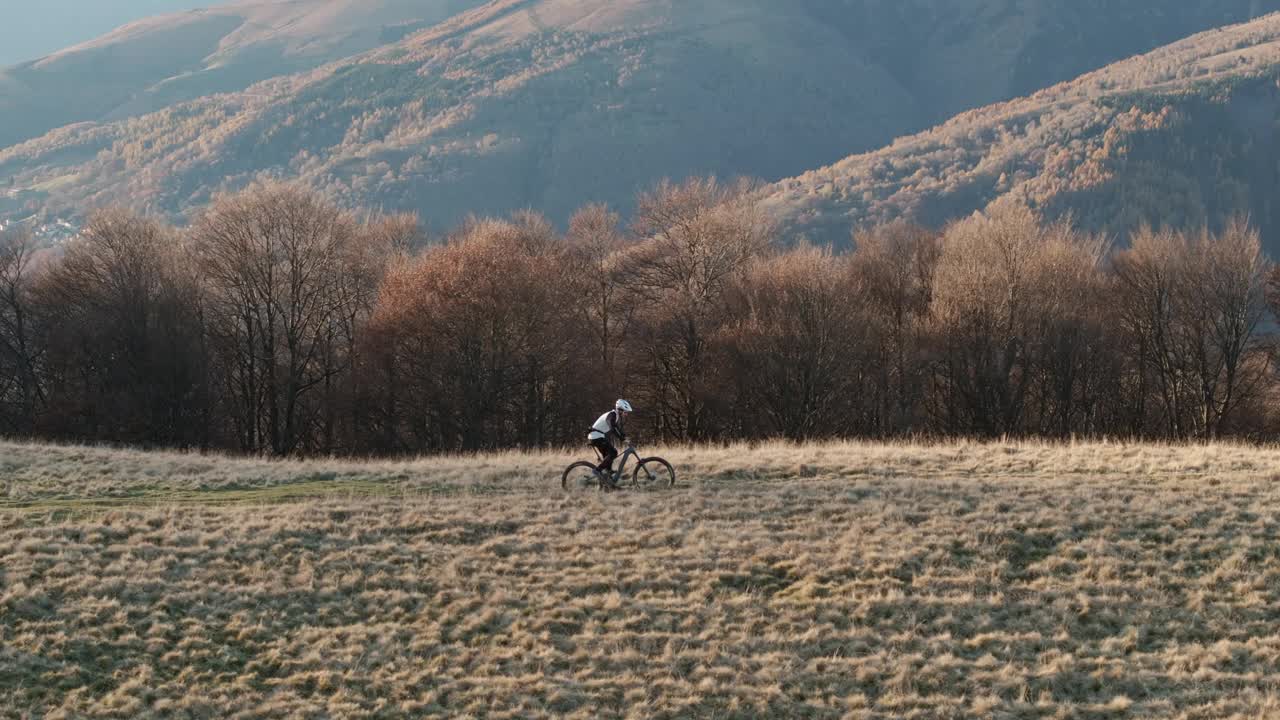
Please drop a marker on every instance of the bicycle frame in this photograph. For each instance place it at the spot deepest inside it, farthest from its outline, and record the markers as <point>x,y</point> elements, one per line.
<point>627,454</point>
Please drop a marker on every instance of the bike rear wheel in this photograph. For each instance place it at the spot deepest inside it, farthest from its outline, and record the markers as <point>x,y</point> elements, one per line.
<point>653,473</point>
<point>580,476</point>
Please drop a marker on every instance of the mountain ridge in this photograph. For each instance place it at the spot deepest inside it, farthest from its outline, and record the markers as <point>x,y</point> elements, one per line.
<point>34,30</point>
<point>1058,148</point>
<point>152,63</point>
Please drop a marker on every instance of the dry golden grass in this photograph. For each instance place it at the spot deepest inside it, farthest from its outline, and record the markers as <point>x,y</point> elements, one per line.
<point>845,580</point>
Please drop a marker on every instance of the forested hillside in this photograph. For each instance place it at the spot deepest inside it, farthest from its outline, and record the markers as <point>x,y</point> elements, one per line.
<point>550,104</point>
<point>1182,136</point>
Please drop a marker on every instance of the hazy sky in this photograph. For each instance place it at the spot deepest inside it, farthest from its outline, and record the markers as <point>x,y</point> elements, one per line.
<point>30,29</point>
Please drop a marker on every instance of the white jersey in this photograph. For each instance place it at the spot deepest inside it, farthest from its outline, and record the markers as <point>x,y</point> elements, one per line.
<point>603,426</point>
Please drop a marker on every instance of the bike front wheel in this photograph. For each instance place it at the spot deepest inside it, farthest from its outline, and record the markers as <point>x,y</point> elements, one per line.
<point>653,473</point>
<point>580,476</point>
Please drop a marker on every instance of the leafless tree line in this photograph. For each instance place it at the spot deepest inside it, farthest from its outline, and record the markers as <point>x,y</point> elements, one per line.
<point>278,324</point>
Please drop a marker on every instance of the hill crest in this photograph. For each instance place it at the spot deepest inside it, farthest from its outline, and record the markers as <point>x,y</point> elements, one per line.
<point>1063,147</point>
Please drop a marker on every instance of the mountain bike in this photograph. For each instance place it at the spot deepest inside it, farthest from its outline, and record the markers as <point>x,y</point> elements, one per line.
<point>649,473</point>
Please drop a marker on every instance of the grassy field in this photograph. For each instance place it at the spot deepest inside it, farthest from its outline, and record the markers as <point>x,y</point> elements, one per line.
<point>833,581</point>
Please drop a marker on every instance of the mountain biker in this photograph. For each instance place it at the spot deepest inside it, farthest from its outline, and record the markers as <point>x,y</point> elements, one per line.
<point>609,423</point>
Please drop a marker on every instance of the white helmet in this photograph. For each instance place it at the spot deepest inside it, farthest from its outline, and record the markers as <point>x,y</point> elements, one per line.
<point>622,405</point>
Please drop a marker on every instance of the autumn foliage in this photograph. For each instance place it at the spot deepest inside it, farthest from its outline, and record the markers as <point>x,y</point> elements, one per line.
<point>279,324</point>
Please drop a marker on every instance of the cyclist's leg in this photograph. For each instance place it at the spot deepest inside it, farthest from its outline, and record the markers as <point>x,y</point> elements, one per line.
<point>608,453</point>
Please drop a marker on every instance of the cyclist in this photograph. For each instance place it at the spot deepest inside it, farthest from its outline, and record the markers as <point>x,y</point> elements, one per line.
<point>609,423</point>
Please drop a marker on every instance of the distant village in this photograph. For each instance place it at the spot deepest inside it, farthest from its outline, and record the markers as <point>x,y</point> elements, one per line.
<point>45,231</point>
<point>53,233</point>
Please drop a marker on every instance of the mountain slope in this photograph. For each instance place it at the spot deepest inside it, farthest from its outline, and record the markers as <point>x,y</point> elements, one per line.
<point>555,103</point>
<point>1184,135</point>
<point>156,62</point>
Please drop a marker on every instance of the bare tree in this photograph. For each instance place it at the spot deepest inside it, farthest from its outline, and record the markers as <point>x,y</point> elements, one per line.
<point>122,320</point>
<point>697,237</point>
<point>981,307</point>
<point>1225,304</point>
<point>481,339</point>
<point>1012,310</point>
<point>609,304</point>
<point>347,395</point>
<point>1192,304</point>
<point>1148,276</point>
<point>799,346</point>
<point>893,267</point>
<point>21,392</point>
<point>275,259</point>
